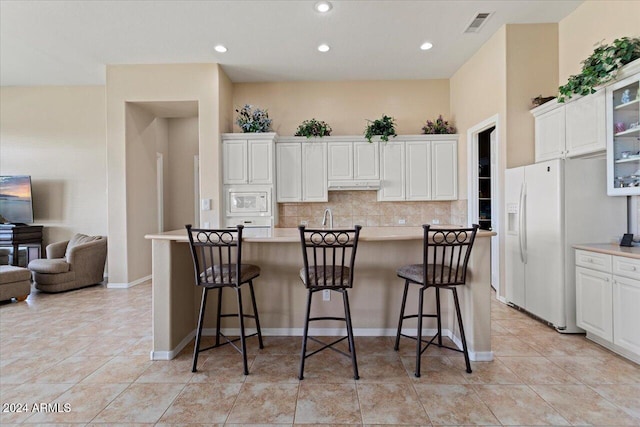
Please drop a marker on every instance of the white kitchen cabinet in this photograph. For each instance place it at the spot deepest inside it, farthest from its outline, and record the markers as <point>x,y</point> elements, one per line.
<point>594,305</point>
<point>392,171</point>
<point>444,170</point>
<point>353,160</point>
<point>302,171</point>
<point>608,300</point>
<point>419,168</point>
<point>623,132</point>
<point>289,176</point>
<point>585,122</point>
<point>549,131</point>
<point>248,159</point>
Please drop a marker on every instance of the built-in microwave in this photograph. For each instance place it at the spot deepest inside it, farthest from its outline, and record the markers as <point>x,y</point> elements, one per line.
<point>249,202</point>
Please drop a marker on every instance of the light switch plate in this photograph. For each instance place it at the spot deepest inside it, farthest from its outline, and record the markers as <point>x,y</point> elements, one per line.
<point>205,204</point>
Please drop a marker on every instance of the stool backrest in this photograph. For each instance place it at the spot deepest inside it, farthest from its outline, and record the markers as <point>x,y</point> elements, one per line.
<point>217,255</point>
<point>447,252</point>
<point>329,257</point>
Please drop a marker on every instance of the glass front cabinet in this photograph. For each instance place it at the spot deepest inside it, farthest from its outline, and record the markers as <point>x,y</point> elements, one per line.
<point>623,137</point>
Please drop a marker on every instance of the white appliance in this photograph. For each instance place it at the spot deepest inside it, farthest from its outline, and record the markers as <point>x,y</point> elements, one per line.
<point>248,201</point>
<point>551,206</point>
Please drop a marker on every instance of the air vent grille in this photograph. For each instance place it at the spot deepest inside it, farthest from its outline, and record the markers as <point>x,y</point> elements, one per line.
<point>477,22</point>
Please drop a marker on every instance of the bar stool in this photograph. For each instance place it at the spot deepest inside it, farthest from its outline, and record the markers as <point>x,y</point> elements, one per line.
<point>217,263</point>
<point>444,266</point>
<point>329,257</point>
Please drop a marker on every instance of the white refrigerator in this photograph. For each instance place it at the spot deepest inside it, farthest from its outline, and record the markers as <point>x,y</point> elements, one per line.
<point>551,206</point>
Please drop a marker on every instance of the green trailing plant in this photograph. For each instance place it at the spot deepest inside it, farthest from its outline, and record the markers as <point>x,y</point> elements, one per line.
<point>438,125</point>
<point>601,66</point>
<point>384,127</point>
<point>313,127</point>
<point>253,120</point>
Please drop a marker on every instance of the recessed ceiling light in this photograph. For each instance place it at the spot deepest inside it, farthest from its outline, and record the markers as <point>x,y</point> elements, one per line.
<point>426,46</point>
<point>220,48</point>
<point>324,48</point>
<point>323,6</point>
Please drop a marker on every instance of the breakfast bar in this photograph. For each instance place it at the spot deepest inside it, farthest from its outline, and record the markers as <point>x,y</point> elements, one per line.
<point>375,297</point>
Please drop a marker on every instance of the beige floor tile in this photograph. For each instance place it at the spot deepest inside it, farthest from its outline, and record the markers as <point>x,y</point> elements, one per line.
<point>390,404</point>
<point>71,370</point>
<point>580,405</point>
<point>626,397</point>
<point>538,370</point>
<point>167,371</point>
<point>327,404</point>
<point>140,403</point>
<point>511,346</point>
<point>382,369</point>
<point>84,401</point>
<point>20,371</point>
<point>265,403</point>
<point>120,369</point>
<point>328,367</point>
<point>454,405</point>
<point>596,370</point>
<point>282,345</point>
<point>566,345</point>
<point>518,405</point>
<point>494,372</point>
<point>275,368</point>
<point>202,403</point>
<point>436,370</point>
<point>221,369</point>
<point>107,346</point>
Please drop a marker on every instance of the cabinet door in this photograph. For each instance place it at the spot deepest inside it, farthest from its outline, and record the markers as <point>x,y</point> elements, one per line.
<point>234,157</point>
<point>314,172</point>
<point>340,161</point>
<point>366,160</point>
<point>392,171</point>
<point>585,125</point>
<point>594,311</point>
<point>418,166</point>
<point>289,167</point>
<point>260,161</point>
<point>626,313</point>
<point>550,135</point>
<point>444,170</point>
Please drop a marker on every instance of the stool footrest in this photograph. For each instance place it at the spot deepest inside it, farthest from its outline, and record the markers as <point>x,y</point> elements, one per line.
<point>327,346</point>
<point>228,341</point>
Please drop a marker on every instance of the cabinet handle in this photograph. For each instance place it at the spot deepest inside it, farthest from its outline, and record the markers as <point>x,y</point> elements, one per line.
<point>606,279</point>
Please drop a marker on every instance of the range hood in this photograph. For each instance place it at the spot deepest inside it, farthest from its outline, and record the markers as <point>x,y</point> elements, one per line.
<point>354,185</point>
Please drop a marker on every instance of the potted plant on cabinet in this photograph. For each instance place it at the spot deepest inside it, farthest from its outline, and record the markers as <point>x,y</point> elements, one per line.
<point>601,67</point>
<point>383,127</point>
<point>253,120</point>
<point>438,126</point>
<point>313,128</point>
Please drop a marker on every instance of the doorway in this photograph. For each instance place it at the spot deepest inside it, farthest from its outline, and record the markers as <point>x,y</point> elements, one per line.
<point>485,172</point>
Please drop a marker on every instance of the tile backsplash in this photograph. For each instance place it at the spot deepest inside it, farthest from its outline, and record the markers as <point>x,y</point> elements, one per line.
<point>361,207</point>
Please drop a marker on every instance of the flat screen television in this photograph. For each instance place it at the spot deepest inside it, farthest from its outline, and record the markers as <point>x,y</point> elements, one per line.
<point>16,205</point>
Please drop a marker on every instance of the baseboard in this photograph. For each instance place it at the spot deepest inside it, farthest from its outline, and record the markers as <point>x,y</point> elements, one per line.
<point>115,285</point>
<point>481,356</point>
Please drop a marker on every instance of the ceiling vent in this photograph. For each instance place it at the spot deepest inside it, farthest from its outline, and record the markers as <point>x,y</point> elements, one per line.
<point>477,23</point>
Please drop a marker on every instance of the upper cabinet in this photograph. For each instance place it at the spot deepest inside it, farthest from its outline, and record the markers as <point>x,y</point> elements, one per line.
<point>572,129</point>
<point>248,158</point>
<point>419,168</point>
<point>352,164</point>
<point>623,133</point>
<point>302,170</point>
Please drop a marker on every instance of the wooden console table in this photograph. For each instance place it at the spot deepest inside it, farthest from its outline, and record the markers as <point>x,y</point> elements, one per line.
<point>16,236</point>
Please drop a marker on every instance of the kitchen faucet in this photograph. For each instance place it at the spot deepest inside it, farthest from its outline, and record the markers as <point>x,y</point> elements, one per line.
<point>324,218</point>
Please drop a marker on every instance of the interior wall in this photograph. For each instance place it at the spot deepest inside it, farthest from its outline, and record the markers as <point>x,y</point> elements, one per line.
<point>346,105</point>
<point>183,146</point>
<point>532,70</point>
<point>592,22</point>
<point>161,126</point>
<point>225,100</point>
<point>57,135</point>
<point>150,83</point>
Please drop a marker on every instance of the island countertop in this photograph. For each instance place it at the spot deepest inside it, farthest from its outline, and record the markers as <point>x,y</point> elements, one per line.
<point>289,235</point>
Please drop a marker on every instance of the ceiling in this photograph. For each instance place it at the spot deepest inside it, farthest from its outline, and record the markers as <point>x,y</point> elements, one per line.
<point>71,42</point>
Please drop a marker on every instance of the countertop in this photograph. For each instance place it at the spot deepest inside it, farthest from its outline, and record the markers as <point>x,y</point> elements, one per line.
<point>288,235</point>
<point>611,249</point>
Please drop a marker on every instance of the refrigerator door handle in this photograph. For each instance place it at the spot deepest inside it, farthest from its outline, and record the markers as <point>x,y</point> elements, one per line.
<point>522,224</point>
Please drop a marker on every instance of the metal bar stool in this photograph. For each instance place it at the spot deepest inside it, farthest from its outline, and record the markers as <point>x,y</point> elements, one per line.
<point>217,263</point>
<point>329,257</point>
<point>444,266</point>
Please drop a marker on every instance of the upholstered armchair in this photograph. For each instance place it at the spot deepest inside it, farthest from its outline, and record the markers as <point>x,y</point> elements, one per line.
<point>71,264</point>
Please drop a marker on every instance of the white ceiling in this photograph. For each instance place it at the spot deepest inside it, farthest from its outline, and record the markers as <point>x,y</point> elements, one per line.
<point>71,42</point>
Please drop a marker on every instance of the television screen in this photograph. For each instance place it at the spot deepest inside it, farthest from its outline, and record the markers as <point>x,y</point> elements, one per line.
<point>15,199</point>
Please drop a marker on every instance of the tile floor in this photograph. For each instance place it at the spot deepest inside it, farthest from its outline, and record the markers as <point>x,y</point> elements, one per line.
<point>89,350</point>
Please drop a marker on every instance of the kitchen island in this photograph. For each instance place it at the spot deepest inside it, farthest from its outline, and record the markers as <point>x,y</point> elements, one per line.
<point>281,297</point>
